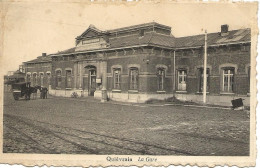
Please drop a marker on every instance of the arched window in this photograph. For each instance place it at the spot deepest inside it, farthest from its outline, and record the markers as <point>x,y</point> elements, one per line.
<point>34,82</point>
<point>48,78</point>
<point>28,78</point>
<point>41,79</point>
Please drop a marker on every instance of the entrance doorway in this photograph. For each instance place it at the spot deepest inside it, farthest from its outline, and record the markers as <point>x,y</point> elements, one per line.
<point>92,81</point>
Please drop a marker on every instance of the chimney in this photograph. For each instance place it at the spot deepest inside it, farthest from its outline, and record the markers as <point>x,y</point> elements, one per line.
<point>44,54</point>
<point>224,30</point>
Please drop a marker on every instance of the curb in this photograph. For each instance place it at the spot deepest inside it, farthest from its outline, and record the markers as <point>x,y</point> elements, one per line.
<point>156,105</point>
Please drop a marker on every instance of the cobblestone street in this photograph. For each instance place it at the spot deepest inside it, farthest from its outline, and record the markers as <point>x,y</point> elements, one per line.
<point>86,126</point>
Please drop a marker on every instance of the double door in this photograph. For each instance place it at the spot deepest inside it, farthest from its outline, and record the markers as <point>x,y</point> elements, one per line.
<point>92,82</point>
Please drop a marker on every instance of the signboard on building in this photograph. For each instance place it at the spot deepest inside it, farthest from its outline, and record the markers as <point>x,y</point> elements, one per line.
<point>98,80</point>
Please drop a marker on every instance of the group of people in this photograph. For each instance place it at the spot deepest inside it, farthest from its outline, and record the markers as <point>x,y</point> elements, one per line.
<point>44,92</point>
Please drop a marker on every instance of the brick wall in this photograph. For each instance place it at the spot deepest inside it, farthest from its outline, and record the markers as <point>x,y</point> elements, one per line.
<point>147,62</point>
<point>37,68</point>
<point>237,56</point>
<point>63,66</point>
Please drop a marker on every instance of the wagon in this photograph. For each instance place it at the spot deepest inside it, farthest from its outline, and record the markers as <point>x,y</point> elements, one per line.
<point>20,90</point>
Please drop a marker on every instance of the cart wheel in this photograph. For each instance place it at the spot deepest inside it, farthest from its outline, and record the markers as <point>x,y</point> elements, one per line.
<point>26,97</point>
<point>16,97</point>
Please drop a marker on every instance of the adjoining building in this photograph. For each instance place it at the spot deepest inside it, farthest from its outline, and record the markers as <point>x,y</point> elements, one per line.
<point>228,66</point>
<point>146,61</point>
<point>38,71</point>
<point>13,77</point>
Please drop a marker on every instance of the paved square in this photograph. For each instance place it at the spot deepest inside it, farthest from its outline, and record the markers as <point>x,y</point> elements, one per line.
<point>86,126</point>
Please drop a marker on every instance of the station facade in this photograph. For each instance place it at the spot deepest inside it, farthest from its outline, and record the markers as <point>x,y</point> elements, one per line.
<point>142,62</point>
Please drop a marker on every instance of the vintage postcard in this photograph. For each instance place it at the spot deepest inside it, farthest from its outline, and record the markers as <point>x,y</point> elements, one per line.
<point>155,83</point>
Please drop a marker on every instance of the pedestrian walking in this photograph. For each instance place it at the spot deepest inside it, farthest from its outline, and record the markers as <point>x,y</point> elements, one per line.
<point>45,91</point>
<point>41,92</point>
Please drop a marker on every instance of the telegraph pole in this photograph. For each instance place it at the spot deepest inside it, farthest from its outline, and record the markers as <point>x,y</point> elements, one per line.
<point>205,70</point>
<point>174,73</point>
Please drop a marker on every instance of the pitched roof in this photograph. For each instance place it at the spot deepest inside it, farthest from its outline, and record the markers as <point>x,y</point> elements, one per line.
<point>67,51</point>
<point>138,26</point>
<point>233,36</point>
<point>162,40</point>
<point>156,39</point>
<point>151,38</point>
<point>40,59</point>
<point>148,38</point>
<point>100,32</point>
<point>93,28</point>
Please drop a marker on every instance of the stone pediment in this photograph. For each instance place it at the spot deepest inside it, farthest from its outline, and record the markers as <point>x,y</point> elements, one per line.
<point>92,38</point>
<point>92,31</point>
<point>89,33</point>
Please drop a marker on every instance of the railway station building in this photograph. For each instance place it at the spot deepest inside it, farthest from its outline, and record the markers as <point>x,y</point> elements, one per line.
<point>143,62</point>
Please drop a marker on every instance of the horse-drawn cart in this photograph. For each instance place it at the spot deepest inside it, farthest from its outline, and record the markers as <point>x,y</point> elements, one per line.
<point>21,89</point>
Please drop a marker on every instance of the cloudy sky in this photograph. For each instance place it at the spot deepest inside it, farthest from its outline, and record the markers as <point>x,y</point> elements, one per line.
<point>31,28</point>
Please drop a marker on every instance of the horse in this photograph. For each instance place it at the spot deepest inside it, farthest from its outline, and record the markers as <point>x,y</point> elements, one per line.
<point>33,90</point>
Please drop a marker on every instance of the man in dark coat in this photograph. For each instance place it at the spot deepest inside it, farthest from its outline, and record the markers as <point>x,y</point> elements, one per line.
<point>41,90</point>
<point>45,91</point>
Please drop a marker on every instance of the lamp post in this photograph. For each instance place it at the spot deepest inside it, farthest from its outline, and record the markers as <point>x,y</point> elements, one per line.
<point>104,81</point>
<point>205,70</point>
<point>174,73</point>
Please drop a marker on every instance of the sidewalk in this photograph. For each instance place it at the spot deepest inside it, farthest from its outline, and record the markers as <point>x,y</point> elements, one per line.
<point>152,103</point>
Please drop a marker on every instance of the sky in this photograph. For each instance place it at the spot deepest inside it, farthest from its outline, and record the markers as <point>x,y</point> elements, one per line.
<point>32,28</point>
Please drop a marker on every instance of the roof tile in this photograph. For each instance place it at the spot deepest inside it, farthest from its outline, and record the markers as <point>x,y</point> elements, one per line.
<point>156,39</point>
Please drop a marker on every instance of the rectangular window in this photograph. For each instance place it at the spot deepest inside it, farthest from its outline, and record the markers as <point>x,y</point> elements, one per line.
<point>68,79</point>
<point>133,83</point>
<point>201,79</point>
<point>182,77</point>
<point>58,79</point>
<point>161,78</point>
<point>228,80</point>
<point>117,76</point>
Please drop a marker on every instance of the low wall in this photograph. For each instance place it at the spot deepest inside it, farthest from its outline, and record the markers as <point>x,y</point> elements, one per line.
<point>122,97</point>
<point>222,100</point>
<point>97,94</point>
<point>136,97</point>
<point>67,93</point>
